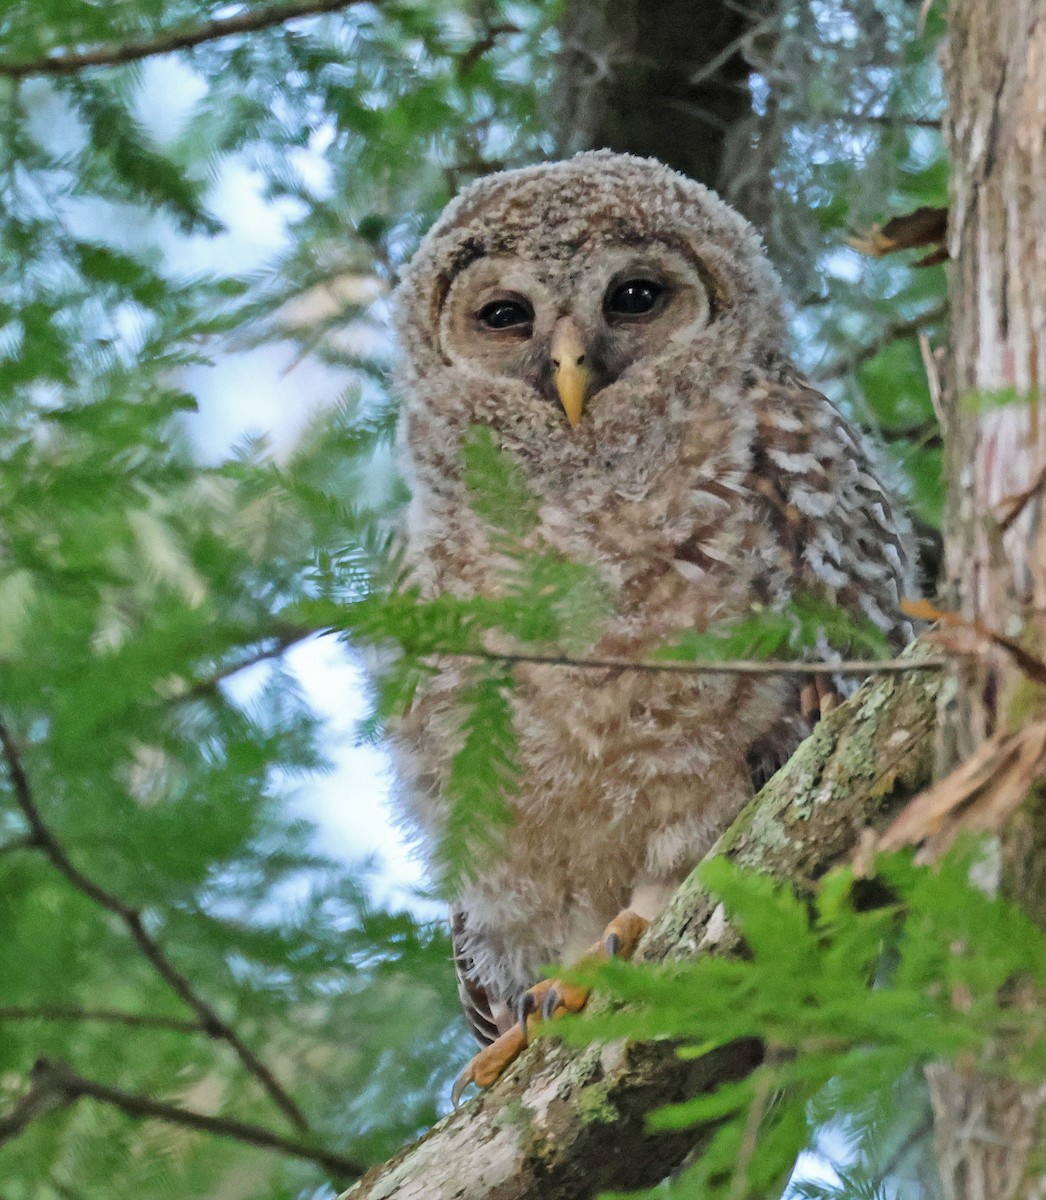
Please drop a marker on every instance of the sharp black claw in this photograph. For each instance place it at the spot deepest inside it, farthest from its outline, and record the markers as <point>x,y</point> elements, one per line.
<point>524,1008</point>
<point>460,1084</point>
<point>612,945</point>
<point>549,1004</point>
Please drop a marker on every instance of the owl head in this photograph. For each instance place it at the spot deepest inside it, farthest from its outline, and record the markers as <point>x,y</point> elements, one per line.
<point>573,299</point>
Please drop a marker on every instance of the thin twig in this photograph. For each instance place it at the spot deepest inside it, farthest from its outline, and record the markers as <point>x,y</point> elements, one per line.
<point>764,1087</point>
<point>912,1138</point>
<point>845,363</point>
<point>1009,508</point>
<point>859,118</point>
<point>709,68</point>
<point>37,1102</point>
<point>70,61</point>
<point>281,643</point>
<point>112,1016</point>
<point>884,666</point>
<point>56,1084</point>
<point>63,1189</point>
<point>26,842</point>
<point>933,378</point>
<point>211,1023</point>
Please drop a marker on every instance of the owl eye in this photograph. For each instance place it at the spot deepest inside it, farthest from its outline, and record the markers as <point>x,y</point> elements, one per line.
<point>505,314</point>
<point>633,298</point>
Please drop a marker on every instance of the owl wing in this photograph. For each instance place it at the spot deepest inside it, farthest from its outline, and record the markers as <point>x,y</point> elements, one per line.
<point>473,997</point>
<point>847,537</point>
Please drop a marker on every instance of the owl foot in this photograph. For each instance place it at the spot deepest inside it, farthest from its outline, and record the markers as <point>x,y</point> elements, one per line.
<point>817,698</point>
<point>545,1000</point>
<point>489,1064</point>
<point>618,941</point>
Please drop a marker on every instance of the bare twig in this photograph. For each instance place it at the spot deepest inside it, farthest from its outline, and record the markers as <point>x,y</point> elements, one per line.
<point>933,378</point>
<point>845,363</point>
<point>255,19</point>
<point>280,643</point>
<point>709,68</point>
<point>211,1023</point>
<point>924,434</point>
<point>37,1102</point>
<point>859,667</point>
<point>1010,508</point>
<point>63,1189</point>
<point>56,1084</point>
<point>912,1138</point>
<point>112,1016</point>
<point>26,842</point>
<point>889,120</point>
<point>764,1087</point>
<point>482,45</point>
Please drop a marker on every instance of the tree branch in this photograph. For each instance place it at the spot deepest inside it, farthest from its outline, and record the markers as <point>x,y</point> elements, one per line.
<point>26,842</point>
<point>735,666</point>
<point>56,1085</point>
<point>112,1016</point>
<point>38,1101</point>
<point>210,1022</point>
<point>899,330</point>
<point>566,1124</point>
<point>281,641</point>
<point>70,61</point>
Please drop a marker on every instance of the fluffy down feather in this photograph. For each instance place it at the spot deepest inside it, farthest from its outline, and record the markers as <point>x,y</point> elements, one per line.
<point>703,479</point>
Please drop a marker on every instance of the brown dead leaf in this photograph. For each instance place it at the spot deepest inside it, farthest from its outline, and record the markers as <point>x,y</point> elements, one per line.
<point>926,226</point>
<point>923,610</point>
<point>977,797</point>
<point>937,256</point>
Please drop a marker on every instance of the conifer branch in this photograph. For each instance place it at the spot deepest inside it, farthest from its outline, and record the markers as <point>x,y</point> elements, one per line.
<point>116,54</point>
<point>55,1085</point>
<point>112,1016</point>
<point>210,1022</point>
<point>279,643</point>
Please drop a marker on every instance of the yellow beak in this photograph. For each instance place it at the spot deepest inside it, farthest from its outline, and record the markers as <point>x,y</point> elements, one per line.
<point>571,373</point>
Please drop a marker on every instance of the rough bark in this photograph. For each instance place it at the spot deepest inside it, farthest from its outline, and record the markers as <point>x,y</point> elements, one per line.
<point>566,1124</point>
<point>662,78</point>
<point>996,443</point>
<point>989,1133</point>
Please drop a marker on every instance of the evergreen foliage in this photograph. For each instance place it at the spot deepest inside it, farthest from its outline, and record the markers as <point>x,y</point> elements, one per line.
<point>849,990</point>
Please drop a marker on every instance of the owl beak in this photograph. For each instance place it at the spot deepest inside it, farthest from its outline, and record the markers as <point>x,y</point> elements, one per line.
<point>572,375</point>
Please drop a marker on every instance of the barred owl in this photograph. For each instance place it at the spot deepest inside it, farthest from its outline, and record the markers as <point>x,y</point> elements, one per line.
<point>620,332</point>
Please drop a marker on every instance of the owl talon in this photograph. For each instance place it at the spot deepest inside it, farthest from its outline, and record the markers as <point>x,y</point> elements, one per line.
<point>544,1001</point>
<point>622,934</point>
<point>524,1009</point>
<point>490,1063</point>
<point>460,1084</point>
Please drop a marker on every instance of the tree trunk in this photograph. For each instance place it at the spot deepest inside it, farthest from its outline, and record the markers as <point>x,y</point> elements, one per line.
<point>660,78</point>
<point>996,537</point>
<point>988,1132</point>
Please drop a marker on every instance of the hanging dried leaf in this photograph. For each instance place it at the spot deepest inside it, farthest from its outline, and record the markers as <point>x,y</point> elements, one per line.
<point>977,797</point>
<point>926,226</point>
<point>923,610</point>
